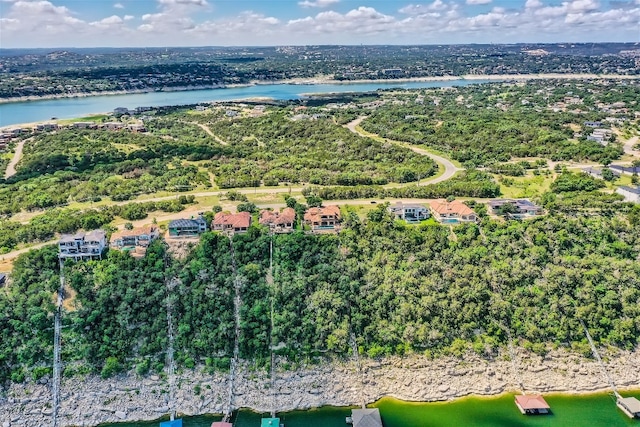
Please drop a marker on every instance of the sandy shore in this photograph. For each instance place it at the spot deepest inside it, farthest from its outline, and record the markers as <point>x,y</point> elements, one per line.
<point>91,400</point>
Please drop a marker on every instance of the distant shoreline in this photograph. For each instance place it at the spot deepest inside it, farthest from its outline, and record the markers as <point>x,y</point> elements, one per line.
<point>318,80</point>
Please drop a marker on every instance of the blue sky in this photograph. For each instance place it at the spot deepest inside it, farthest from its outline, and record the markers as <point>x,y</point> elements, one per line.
<point>86,23</point>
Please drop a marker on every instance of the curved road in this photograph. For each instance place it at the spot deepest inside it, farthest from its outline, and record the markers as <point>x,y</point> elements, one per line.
<point>17,155</point>
<point>449,168</point>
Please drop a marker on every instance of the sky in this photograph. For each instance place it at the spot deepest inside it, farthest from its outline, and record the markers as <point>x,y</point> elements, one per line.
<point>130,23</point>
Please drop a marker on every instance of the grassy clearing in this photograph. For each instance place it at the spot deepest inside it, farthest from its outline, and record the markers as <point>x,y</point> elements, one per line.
<point>526,186</point>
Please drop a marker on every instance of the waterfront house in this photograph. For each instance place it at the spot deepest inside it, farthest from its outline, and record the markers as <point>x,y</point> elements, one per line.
<point>231,223</point>
<point>631,194</point>
<point>46,126</point>
<point>326,218</point>
<point>85,125</point>
<point>369,417</point>
<point>82,246</point>
<point>523,207</point>
<point>452,212</point>
<point>113,125</point>
<point>409,212</point>
<point>531,404</point>
<point>187,227</point>
<point>136,237</point>
<point>137,128</point>
<point>279,222</point>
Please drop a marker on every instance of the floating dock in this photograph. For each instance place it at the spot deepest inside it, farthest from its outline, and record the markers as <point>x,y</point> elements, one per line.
<point>173,423</point>
<point>629,405</point>
<point>369,417</point>
<point>221,424</point>
<point>532,404</point>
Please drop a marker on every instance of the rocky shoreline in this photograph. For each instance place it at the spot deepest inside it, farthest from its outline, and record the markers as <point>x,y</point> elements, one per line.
<point>90,401</point>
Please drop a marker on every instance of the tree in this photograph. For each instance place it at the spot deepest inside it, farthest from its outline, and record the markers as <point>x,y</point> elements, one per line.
<point>313,201</point>
<point>247,207</point>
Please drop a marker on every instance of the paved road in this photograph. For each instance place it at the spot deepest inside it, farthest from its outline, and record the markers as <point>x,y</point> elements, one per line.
<point>449,168</point>
<point>17,155</point>
<point>629,144</point>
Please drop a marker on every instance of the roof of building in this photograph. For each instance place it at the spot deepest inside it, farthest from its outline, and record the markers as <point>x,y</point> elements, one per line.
<point>314,214</point>
<point>442,207</point>
<point>182,223</point>
<point>238,220</point>
<point>270,422</point>
<point>366,417</point>
<point>532,401</point>
<point>138,231</point>
<point>71,237</point>
<point>631,403</point>
<point>400,206</point>
<point>287,216</point>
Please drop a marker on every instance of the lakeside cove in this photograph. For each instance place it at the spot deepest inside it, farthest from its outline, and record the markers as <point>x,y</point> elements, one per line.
<point>16,111</point>
<point>90,401</point>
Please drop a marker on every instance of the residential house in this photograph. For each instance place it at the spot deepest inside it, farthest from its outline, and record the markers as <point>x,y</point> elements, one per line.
<point>279,222</point>
<point>409,212</point>
<point>231,223</point>
<point>523,207</point>
<point>82,246</point>
<point>187,227</point>
<point>85,125</point>
<point>326,218</point>
<point>113,125</point>
<point>140,236</point>
<point>452,212</point>
<point>593,124</point>
<point>631,194</point>
<point>137,128</point>
<point>47,127</point>
<point>600,135</point>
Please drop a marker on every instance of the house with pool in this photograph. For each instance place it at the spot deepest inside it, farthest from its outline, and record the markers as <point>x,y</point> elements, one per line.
<point>452,212</point>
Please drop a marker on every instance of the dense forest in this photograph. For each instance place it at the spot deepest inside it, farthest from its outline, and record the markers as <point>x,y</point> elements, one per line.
<point>398,289</point>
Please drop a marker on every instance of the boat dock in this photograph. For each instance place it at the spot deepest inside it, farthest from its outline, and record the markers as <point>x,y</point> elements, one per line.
<point>221,424</point>
<point>629,405</point>
<point>532,404</point>
<point>271,422</point>
<point>172,423</point>
<point>369,417</point>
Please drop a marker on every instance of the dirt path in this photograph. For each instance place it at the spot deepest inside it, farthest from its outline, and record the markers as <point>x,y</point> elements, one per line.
<point>211,134</point>
<point>449,168</point>
<point>629,144</point>
<point>17,155</point>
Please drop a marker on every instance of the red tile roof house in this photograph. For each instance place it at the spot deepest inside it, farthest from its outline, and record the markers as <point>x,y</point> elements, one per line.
<point>326,218</point>
<point>231,223</point>
<point>452,212</point>
<point>279,222</point>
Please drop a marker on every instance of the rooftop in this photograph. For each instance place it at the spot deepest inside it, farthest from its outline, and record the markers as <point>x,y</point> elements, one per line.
<point>442,207</point>
<point>531,402</point>
<point>634,190</point>
<point>180,223</point>
<point>366,417</point>
<point>631,403</point>
<point>138,231</point>
<point>287,216</point>
<point>314,214</point>
<point>238,220</point>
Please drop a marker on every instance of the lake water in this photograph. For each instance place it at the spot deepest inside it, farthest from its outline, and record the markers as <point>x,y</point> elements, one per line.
<point>66,108</point>
<point>593,410</point>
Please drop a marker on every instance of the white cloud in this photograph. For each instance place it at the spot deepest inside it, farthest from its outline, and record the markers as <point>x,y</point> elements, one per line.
<point>418,9</point>
<point>183,2</point>
<point>317,3</point>
<point>118,6</point>
<point>476,2</point>
<point>128,17</point>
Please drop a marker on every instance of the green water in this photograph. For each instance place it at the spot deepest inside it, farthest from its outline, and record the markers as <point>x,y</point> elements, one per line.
<point>594,410</point>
